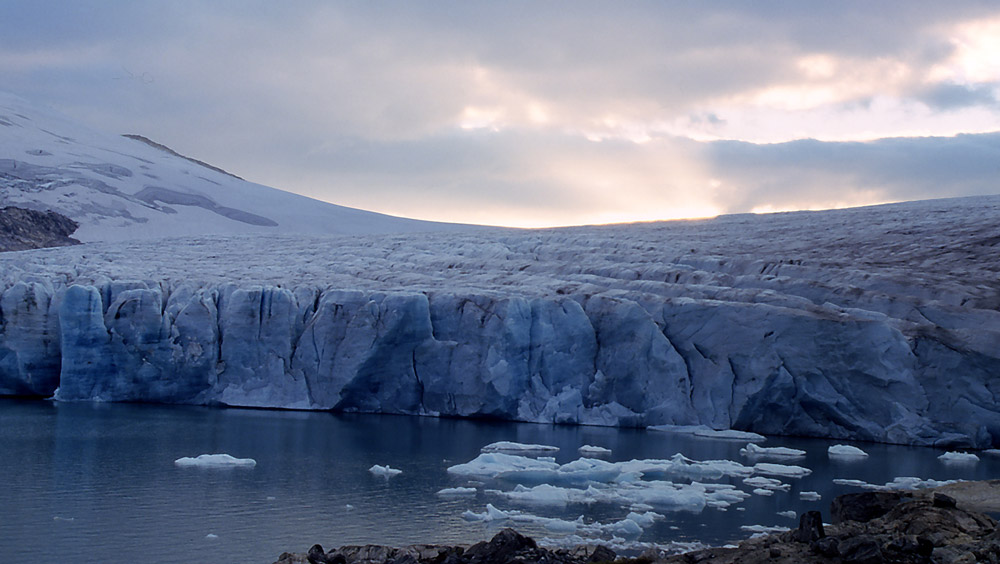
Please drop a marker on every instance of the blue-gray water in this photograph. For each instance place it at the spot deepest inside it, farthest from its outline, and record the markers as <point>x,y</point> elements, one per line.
<point>97,482</point>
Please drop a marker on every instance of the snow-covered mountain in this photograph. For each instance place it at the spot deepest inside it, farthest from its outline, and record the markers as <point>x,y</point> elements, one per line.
<point>876,323</point>
<point>128,188</point>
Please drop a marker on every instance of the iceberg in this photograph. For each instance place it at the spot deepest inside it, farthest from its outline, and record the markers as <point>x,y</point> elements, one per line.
<point>591,450</point>
<point>753,450</point>
<point>959,458</point>
<point>384,471</point>
<point>508,446</point>
<point>845,451</point>
<point>783,470</point>
<point>215,461</point>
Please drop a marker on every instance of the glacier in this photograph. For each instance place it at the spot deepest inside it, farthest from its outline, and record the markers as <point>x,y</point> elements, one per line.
<point>876,324</point>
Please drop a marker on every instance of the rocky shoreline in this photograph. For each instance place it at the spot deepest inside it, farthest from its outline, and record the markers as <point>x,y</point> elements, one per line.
<point>946,525</point>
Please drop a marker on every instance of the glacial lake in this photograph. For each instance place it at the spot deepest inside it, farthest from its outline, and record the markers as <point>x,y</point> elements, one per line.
<point>98,483</point>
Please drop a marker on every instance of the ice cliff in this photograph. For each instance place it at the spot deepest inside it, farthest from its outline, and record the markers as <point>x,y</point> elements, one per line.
<point>876,323</point>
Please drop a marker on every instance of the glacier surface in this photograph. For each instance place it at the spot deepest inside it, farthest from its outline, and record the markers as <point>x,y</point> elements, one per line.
<point>876,324</point>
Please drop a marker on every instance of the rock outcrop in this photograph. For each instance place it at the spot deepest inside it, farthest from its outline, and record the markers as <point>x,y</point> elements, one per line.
<point>22,229</point>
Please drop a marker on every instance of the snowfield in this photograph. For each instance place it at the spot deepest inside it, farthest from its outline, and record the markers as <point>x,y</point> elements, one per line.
<point>877,323</point>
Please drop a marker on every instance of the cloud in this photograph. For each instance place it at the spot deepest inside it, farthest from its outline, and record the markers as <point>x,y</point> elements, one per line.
<point>559,112</point>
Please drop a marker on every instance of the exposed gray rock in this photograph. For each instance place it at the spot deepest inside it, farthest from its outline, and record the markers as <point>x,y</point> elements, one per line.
<point>22,229</point>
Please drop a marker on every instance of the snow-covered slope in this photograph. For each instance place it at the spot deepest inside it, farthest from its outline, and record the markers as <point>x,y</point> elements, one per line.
<point>124,189</point>
<point>876,323</point>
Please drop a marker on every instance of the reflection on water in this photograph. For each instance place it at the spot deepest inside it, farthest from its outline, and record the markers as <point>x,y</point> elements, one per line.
<point>97,481</point>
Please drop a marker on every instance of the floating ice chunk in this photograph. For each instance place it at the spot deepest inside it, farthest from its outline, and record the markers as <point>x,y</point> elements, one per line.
<point>764,492</point>
<point>68,519</point>
<point>958,457</point>
<point>547,494</point>
<point>900,483</point>
<point>508,446</point>
<point>784,470</point>
<point>215,461</point>
<point>763,529</point>
<point>790,514</point>
<point>752,450</point>
<point>625,528</point>
<point>810,496</point>
<point>645,519</point>
<point>767,483</point>
<point>456,492</point>
<point>491,514</point>
<point>490,465</point>
<point>211,536</point>
<point>349,507</point>
<point>561,525</point>
<point>707,432</point>
<point>992,451</point>
<point>384,471</point>
<point>591,450</point>
<point>679,466</point>
<point>845,451</point>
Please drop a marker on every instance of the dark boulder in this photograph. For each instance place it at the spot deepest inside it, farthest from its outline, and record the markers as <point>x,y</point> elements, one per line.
<point>863,507</point>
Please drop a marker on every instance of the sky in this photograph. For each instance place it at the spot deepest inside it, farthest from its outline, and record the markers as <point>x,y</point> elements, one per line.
<point>535,113</point>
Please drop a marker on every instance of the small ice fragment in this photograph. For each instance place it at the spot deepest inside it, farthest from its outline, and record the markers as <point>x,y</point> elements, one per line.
<point>789,514</point>
<point>766,483</point>
<point>784,470</point>
<point>211,536</point>
<point>508,446</point>
<point>846,451</point>
<point>591,450</point>
<point>992,451</point>
<point>763,529</point>
<point>271,498</point>
<point>58,518</point>
<point>752,450</point>
<point>384,471</point>
<point>491,514</point>
<point>215,461</point>
<point>707,432</point>
<point>810,496</point>
<point>456,492</point>
<point>349,507</point>
<point>959,457</point>
<point>762,491</point>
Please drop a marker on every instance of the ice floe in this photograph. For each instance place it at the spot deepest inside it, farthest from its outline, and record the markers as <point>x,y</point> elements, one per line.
<point>215,461</point>
<point>508,446</point>
<point>959,457</point>
<point>845,451</point>
<point>899,483</point>
<point>707,432</point>
<point>457,492</point>
<point>810,496</point>
<point>789,514</point>
<point>384,471</point>
<point>591,450</point>
<point>752,450</point>
<point>784,470</point>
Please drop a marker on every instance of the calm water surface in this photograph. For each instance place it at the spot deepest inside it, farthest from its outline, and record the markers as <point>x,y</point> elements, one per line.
<point>97,482</point>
